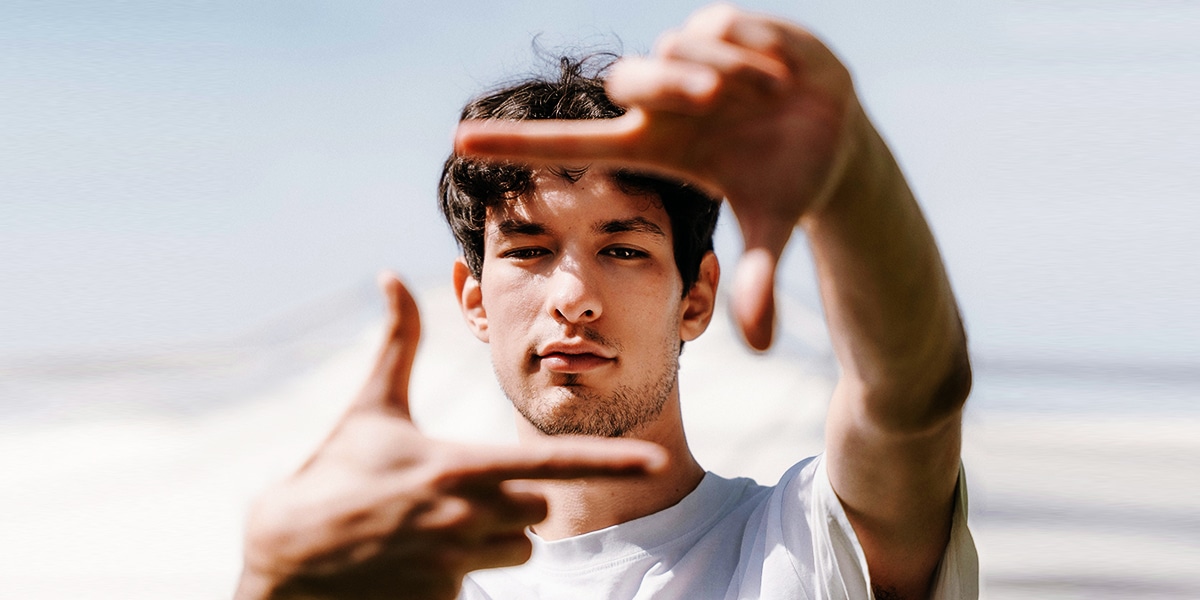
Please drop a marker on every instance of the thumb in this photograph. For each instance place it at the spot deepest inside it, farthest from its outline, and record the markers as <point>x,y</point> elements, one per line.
<point>387,386</point>
<point>754,296</point>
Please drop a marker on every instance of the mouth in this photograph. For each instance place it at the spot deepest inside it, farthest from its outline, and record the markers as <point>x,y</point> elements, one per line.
<point>569,362</point>
<point>573,356</point>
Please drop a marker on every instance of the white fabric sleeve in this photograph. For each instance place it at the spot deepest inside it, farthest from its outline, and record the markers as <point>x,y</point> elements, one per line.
<point>841,565</point>
<point>958,573</point>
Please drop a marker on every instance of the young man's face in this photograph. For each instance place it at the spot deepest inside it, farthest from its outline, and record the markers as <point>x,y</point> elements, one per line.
<point>583,306</point>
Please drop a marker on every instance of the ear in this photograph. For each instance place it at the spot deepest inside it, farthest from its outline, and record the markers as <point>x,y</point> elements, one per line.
<point>700,302</point>
<point>470,299</point>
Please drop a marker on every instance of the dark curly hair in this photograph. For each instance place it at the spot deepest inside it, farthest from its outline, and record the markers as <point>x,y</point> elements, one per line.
<point>469,186</point>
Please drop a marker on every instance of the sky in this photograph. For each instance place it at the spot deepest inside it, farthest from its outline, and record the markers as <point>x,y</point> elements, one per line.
<point>181,172</point>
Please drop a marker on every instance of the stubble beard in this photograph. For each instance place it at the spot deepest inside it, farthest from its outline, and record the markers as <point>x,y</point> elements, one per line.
<point>572,408</point>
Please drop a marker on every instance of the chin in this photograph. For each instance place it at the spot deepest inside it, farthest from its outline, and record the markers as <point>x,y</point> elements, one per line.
<point>579,410</point>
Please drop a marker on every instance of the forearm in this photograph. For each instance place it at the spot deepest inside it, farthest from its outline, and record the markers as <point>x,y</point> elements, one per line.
<point>894,425</point>
<point>892,315</point>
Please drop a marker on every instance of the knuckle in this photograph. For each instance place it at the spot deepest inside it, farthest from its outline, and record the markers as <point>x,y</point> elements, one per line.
<point>451,518</point>
<point>755,75</point>
<point>456,514</point>
<point>771,40</point>
<point>553,458</point>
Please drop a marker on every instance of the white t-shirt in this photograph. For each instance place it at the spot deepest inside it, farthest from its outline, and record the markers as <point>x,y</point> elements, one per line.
<point>729,538</point>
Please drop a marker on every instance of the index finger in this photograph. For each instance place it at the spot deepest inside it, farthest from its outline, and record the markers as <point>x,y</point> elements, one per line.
<point>572,458</point>
<point>553,141</point>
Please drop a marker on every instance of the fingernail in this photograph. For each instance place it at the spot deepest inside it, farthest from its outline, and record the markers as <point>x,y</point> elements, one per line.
<point>658,462</point>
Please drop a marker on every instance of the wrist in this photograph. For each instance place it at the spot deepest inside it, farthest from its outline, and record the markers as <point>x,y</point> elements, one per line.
<point>866,178</point>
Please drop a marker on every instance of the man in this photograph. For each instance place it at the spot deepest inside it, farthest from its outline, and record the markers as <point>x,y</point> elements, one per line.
<point>585,271</point>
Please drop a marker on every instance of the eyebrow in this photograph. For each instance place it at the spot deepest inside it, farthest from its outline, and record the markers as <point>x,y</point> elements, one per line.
<point>519,227</point>
<point>631,225</point>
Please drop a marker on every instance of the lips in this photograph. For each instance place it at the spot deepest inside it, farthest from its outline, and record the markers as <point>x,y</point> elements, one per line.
<point>574,357</point>
<point>573,363</point>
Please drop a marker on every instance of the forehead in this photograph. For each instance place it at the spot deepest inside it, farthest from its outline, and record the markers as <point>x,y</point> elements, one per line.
<point>593,199</point>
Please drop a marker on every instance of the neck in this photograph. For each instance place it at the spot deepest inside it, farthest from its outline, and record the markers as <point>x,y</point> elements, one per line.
<point>585,505</point>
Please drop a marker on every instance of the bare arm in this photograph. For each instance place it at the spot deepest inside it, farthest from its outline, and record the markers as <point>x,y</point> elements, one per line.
<point>894,426</point>
<point>761,112</point>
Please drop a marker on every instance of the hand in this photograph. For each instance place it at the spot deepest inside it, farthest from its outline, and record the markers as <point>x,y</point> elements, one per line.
<point>748,106</point>
<point>381,511</point>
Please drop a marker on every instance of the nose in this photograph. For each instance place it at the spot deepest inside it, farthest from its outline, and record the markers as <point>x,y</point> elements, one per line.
<point>573,295</point>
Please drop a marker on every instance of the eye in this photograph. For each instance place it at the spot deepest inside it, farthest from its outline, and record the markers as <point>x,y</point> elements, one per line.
<point>624,253</point>
<point>525,253</point>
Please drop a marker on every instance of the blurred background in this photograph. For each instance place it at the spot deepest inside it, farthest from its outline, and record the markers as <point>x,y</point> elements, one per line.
<point>195,198</point>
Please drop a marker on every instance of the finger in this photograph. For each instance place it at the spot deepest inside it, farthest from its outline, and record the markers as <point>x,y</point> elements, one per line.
<point>734,62</point>
<point>573,458</point>
<point>630,141</point>
<point>553,141</point>
<point>676,86</point>
<point>471,518</point>
<point>695,78</point>
<point>523,505</point>
<point>754,297</point>
<point>502,550</point>
<point>497,507</point>
<point>787,42</point>
<point>754,31</point>
<point>387,387</point>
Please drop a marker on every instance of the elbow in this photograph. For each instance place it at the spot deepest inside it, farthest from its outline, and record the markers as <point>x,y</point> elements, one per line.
<point>924,398</point>
<point>946,391</point>
<point>950,394</point>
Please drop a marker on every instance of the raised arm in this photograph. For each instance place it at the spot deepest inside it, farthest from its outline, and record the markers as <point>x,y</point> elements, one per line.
<point>761,112</point>
<point>894,426</point>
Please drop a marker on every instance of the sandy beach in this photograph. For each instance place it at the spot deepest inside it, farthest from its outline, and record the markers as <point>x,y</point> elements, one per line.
<point>1063,505</point>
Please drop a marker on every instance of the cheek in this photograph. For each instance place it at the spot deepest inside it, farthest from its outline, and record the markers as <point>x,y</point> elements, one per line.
<point>659,312</point>
<point>661,290</point>
<point>511,308</point>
